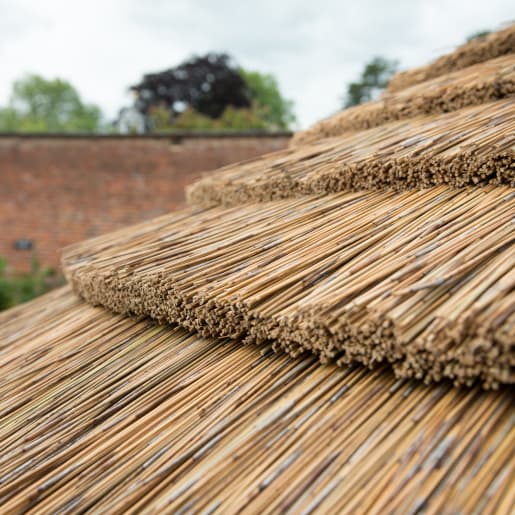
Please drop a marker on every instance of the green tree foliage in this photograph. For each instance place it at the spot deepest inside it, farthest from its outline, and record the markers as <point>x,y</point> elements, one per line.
<point>275,110</point>
<point>41,105</point>
<point>374,78</point>
<point>231,119</point>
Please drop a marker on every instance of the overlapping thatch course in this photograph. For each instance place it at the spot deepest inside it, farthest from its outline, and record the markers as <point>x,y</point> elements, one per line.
<point>474,146</point>
<point>478,84</point>
<point>473,52</point>
<point>104,414</point>
<point>424,279</point>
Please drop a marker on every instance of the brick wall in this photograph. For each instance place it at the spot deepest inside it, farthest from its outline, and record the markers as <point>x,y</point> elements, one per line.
<point>58,190</point>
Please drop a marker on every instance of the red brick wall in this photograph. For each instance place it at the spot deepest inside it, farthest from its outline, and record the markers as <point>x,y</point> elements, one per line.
<point>59,190</point>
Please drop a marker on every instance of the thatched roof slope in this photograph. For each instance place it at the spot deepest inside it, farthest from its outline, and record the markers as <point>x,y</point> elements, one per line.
<point>485,82</point>
<point>423,279</point>
<point>112,415</point>
<point>474,146</point>
<point>476,51</point>
<point>103,413</point>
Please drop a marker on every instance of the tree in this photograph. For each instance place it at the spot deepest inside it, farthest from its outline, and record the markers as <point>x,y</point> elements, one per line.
<point>210,92</point>
<point>207,84</point>
<point>41,105</point>
<point>374,78</point>
<point>264,91</point>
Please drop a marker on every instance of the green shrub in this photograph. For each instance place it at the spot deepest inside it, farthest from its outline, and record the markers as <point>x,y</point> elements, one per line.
<point>22,288</point>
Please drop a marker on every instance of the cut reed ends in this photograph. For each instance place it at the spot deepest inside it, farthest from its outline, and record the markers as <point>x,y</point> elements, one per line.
<point>474,146</point>
<point>104,414</point>
<point>422,279</point>
<point>476,51</point>
<point>486,82</point>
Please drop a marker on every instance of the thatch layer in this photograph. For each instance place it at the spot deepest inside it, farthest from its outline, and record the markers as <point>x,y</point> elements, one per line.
<point>473,52</point>
<point>472,146</point>
<point>423,279</point>
<point>478,84</point>
<point>106,414</point>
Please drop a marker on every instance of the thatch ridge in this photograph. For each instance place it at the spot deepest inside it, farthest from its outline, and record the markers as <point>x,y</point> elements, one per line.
<point>476,51</point>
<point>107,414</point>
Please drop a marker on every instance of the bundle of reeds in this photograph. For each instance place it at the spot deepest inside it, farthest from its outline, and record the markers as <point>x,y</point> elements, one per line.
<point>472,146</point>
<point>473,52</point>
<point>423,279</point>
<point>485,82</point>
<point>105,414</point>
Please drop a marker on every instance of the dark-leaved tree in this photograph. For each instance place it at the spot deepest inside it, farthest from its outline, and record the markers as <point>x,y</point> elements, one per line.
<point>206,84</point>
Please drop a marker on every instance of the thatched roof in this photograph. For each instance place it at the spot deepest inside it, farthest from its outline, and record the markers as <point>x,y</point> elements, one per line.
<point>106,414</point>
<point>384,237</point>
<point>423,279</point>
<point>477,50</point>
<point>473,146</point>
<point>485,82</point>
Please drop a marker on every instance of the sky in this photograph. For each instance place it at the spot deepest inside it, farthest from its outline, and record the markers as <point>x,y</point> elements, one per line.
<point>314,48</point>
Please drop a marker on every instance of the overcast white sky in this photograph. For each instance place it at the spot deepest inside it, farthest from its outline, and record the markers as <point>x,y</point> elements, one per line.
<point>314,47</point>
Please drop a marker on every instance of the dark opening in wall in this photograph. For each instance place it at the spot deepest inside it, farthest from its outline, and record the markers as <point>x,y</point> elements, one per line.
<point>23,244</point>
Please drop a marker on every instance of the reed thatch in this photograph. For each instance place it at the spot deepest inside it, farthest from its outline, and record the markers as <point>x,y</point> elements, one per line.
<point>473,52</point>
<point>423,279</point>
<point>472,146</point>
<point>475,85</point>
<point>104,414</point>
